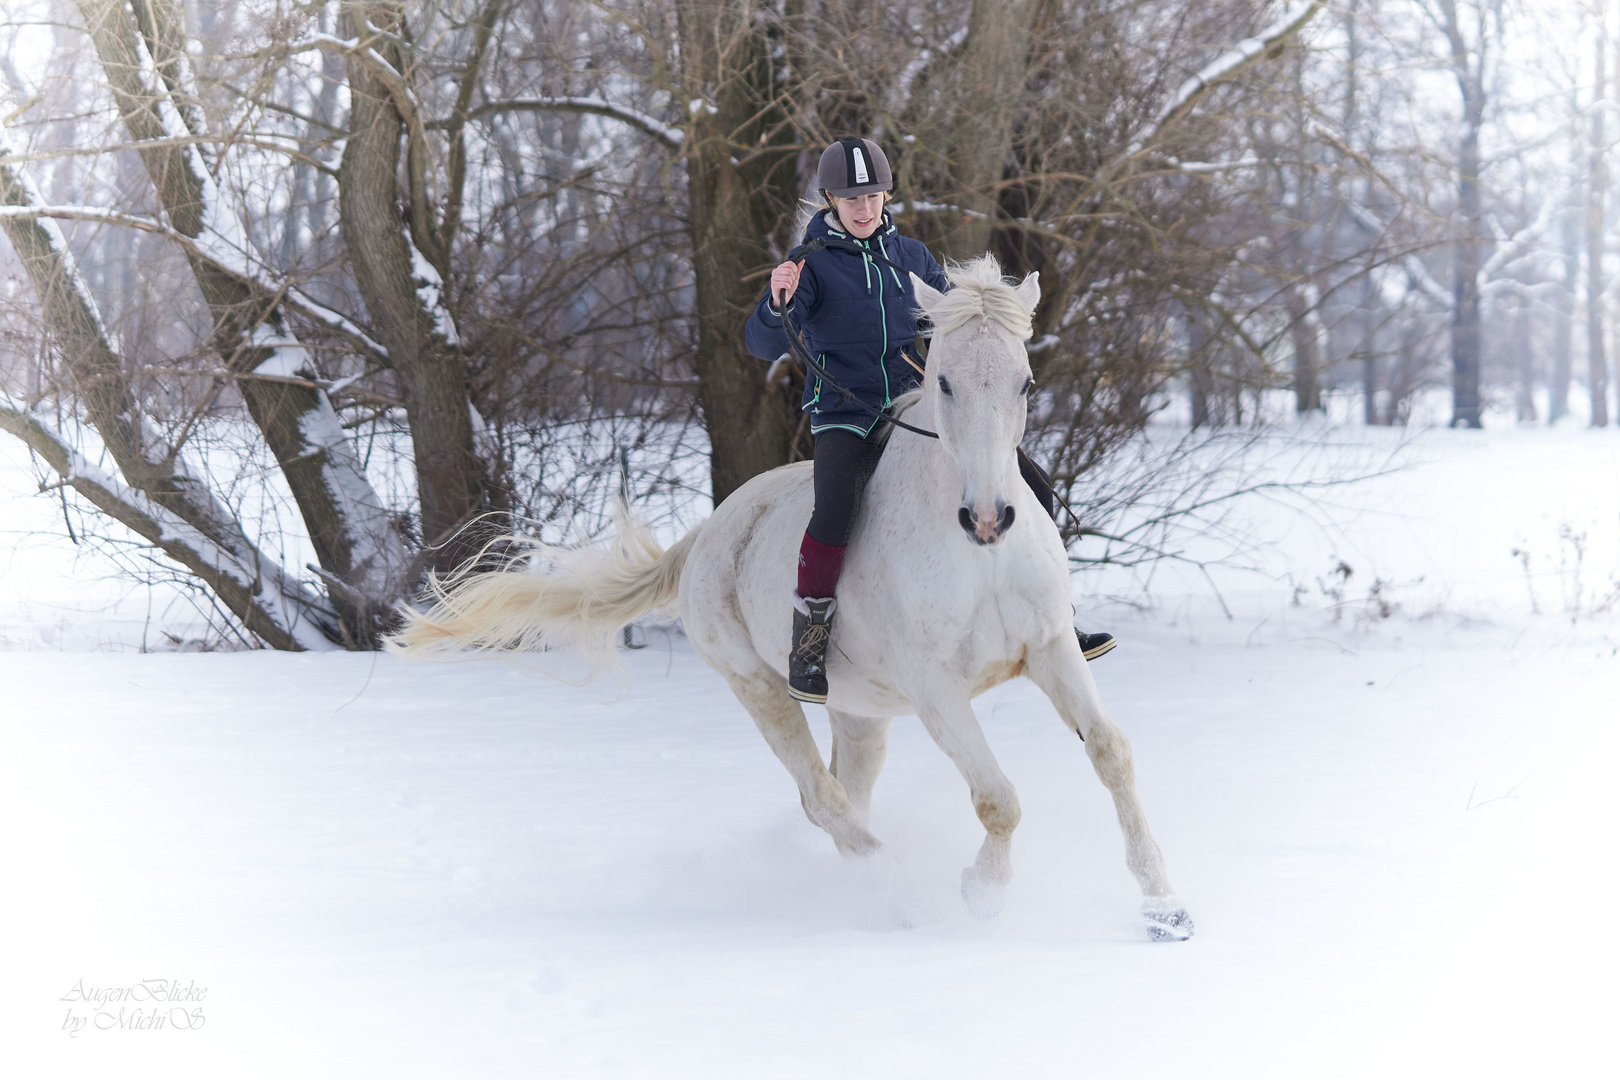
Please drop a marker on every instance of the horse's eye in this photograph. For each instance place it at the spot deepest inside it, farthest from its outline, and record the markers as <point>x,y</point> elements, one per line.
<point>1029,384</point>
<point>944,386</point>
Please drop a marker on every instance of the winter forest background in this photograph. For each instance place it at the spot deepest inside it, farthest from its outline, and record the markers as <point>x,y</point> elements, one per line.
<point>301,301</point>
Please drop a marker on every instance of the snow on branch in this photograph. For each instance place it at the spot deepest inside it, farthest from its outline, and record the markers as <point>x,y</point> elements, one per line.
<point>278,610</point>
<point>923,207</point>
<point>672,137</point>
<point>1417,273</point>
<point>1228,66</point>
<point>1211,166</point>
<point>1425,283</point>
<point>901,96</point>
<point>1519,243</point>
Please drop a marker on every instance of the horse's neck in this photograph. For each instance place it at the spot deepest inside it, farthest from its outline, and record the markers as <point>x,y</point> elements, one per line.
<point>919,463</point>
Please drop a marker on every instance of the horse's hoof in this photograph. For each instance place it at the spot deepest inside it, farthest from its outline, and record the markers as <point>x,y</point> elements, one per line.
<point>1168,924</point>
<point>983,899</point>
<point>857,845</point>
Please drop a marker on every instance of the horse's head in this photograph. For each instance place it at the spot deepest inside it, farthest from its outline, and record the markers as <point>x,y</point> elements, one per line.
<point>978,383</point>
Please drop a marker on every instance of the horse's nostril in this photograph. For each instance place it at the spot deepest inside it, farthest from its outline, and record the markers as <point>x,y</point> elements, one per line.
<point>965,516</point>
<point>1006,521</point>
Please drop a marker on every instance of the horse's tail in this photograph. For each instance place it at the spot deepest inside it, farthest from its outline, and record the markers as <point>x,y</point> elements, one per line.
<point>586,596</point>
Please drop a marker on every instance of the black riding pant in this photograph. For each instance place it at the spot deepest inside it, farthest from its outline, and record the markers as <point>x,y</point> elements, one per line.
<point>844,462</point>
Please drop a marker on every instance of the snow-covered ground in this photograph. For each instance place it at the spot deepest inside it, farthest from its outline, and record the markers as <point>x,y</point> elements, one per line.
<point>1392,817</point>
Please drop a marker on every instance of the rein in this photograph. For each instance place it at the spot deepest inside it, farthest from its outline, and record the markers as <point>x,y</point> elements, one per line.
<point>801,351</point>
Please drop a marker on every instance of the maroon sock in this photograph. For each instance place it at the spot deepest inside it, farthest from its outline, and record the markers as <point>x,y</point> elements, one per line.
<point>819,566</point>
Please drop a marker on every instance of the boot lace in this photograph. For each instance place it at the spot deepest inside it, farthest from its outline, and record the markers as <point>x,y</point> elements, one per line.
<point>814,641</point>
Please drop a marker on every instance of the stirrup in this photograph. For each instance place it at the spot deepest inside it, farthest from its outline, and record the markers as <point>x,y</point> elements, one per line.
<point>1095,645</point>
<point>807,656</point>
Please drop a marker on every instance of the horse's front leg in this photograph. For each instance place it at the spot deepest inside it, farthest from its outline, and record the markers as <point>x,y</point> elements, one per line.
<point>1061,671</point>
<point>948,718</point>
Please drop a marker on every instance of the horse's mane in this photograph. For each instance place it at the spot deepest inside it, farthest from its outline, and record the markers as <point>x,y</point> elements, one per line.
<point>978,291</point>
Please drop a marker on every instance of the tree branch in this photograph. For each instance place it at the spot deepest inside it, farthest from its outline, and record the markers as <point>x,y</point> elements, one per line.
<point>672,137</point>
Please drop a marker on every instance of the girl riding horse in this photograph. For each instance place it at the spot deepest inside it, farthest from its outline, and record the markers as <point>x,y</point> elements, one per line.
<point>853,303</point>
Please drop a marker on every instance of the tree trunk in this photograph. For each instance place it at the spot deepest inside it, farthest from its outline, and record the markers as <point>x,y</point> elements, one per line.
<point>1465,318</point>
<point>349,527</point>
<point>1468,67</point>
<point>1524,364</point>
<point>405,296</point>
<point>1564,312</point>
<point>988,82</point>
<point>1366,321</point>
<point>1307,361</point>
<point>1200,382</point>
<point>1596,185</point>
<point>740,177</point>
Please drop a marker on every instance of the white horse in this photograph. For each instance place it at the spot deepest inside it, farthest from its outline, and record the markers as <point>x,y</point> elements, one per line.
<point>955,581</point>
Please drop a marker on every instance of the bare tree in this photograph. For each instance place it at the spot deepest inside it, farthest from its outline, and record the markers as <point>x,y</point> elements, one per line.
<point>359,550</point>
<point>498,256</point>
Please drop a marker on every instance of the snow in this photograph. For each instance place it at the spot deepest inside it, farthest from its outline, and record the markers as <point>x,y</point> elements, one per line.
<point>1417,273</point>
<point>1394,834</point>
<point>288,358</point>
<point>921,206</point>
<point>1212,166</point>
<point>375,546</point>
<point>430,293</point>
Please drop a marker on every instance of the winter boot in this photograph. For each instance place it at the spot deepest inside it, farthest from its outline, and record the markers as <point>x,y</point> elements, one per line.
<point>1095,645</point>
<point>807,658</point>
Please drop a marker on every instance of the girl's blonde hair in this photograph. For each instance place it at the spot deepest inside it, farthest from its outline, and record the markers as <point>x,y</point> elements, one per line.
<point>827,198</point>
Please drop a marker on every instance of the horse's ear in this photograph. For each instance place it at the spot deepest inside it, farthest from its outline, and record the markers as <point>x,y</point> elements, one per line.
<point>1029,290</point>
<point>928,297</point>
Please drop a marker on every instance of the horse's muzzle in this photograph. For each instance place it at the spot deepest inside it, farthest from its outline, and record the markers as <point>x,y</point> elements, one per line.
<point>986,531</point>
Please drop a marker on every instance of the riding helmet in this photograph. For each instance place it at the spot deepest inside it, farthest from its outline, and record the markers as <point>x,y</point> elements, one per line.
<point>851,167</point>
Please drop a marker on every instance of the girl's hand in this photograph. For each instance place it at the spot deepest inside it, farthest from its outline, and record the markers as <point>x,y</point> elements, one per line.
<point>784,278</point>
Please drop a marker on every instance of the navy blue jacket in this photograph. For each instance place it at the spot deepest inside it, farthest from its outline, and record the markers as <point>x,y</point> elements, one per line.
<point>856,317</point>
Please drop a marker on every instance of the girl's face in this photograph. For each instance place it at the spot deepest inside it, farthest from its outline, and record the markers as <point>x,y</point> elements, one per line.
<point>861,215</point>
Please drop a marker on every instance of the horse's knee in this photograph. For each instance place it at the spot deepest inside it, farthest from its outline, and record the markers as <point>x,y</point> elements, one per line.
<point>1110,754</point>
<point>998,811</point>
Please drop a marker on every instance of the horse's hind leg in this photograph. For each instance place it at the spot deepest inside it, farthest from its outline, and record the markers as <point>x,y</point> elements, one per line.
<point>781,720</point>
<point>1061,672</point>
<point>860,743</point>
